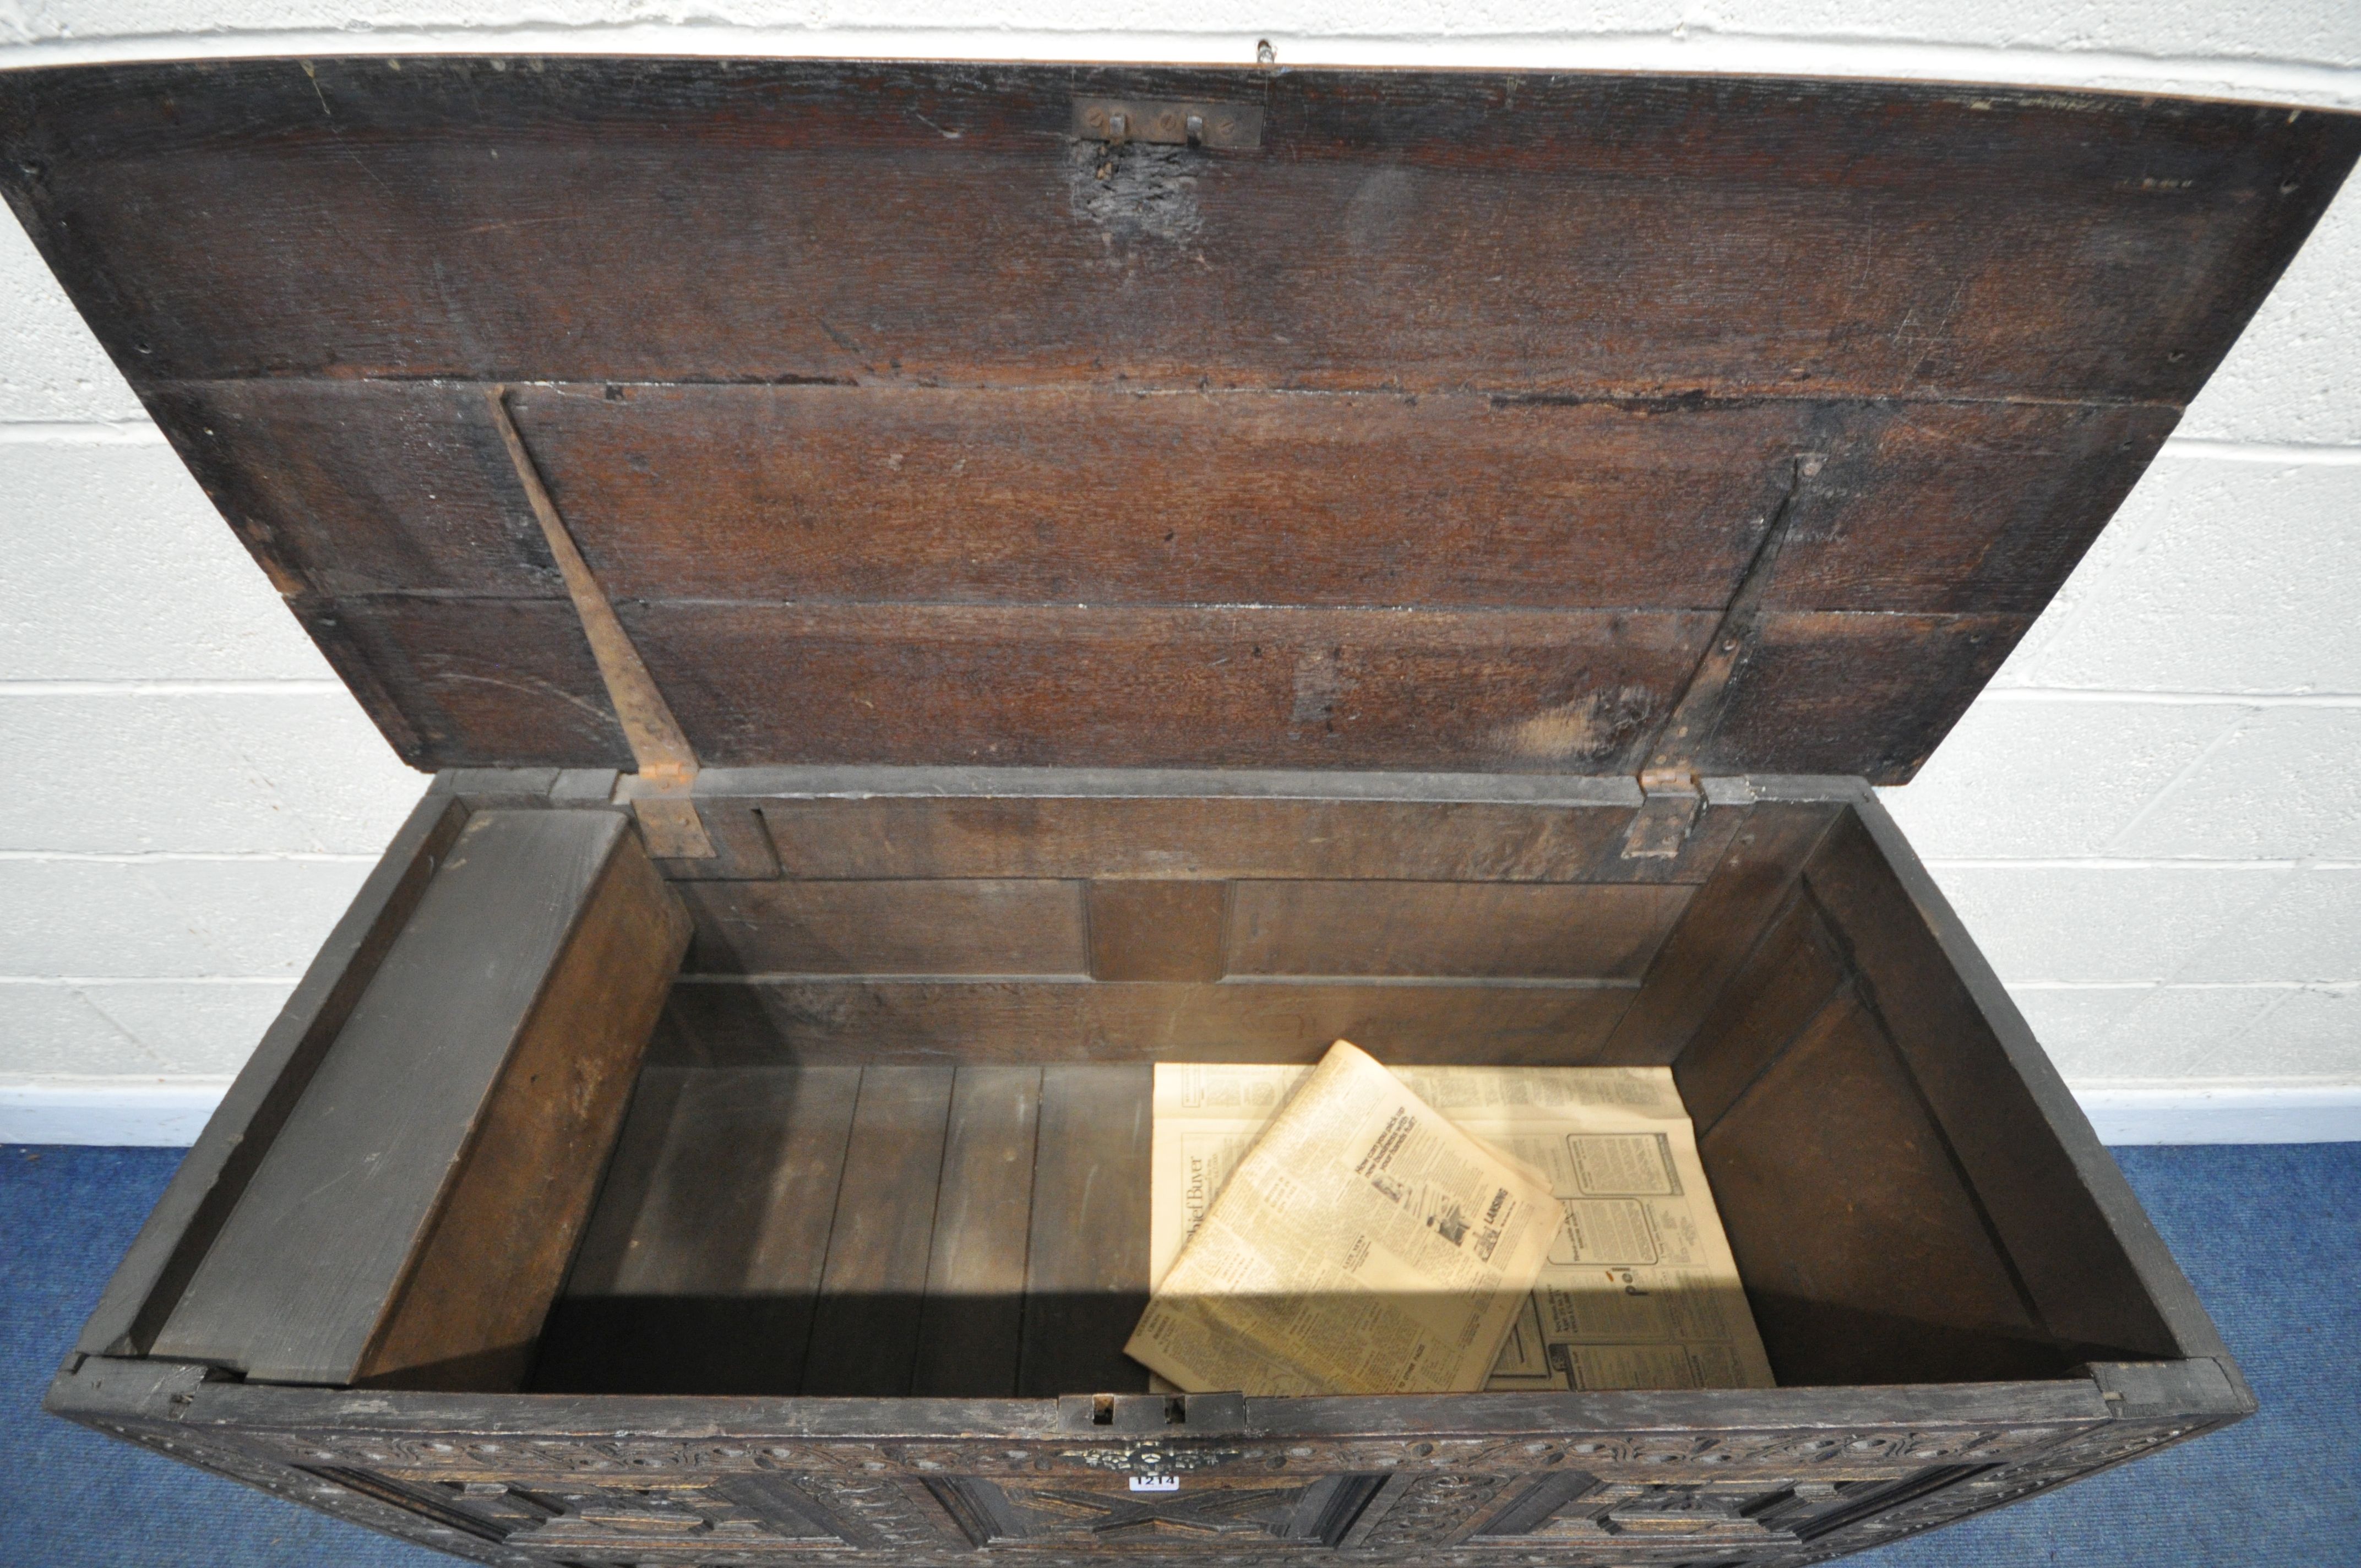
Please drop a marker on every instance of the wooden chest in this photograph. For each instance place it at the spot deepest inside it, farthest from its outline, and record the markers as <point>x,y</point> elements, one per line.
<point>931,588</point>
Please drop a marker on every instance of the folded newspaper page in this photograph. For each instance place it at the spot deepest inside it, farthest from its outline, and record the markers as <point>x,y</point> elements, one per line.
<point>1639,1291</point>
<point>1361,1245</point>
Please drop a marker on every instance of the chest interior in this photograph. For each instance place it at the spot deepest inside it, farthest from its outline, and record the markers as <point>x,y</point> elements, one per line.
<point>892,1136</point>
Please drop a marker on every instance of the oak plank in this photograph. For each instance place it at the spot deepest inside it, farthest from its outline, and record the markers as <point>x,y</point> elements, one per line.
<point>971,1326</point>
<point>865,1323</point>
<point>211,1176</point>
<point>1760,864</point>
<point>426,1139</point>
<point>1086,1263</point>
<point>1792,974</point>
<point>1530,691</point>
<point>938,926</point>
<point>1157,929</point>
<point>2047,1212</point>
<point>1507,930</point>
<point>702,1260</point>
<point>1865,1256</point>
<point>860,1018</point>
<point>1401,228</point>
<point>1200,825</point>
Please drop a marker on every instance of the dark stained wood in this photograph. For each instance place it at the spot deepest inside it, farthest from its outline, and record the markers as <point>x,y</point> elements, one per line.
<point>871,1473</point>
<point>1886,526</point>
<point>1763,857</point>
<point>892,492</point>
<point>466,1105</point>
<point>1858,693</point>
<point>881,1018</point>
<point>470,1309</point>
<point>252,217</point>
<point>2057,1118</point>
<point>213,1174</point>
<point>1086,1264</point>
<point>1233,402</point>
<point>865,1324</point>
<point>2058,1235</point>
<point>701,1263</point>
<point>887,493</point>
<point>1502,931</point>
<point>1206,826</point>
<point>1935,507</point>
<point>1511,690</point>
<point>1158,930</point>
<point>975,1314</point>
<point>949,926</point>
<point>1866,1257</point>
<point>506,681</point>
<point>1791,976</point>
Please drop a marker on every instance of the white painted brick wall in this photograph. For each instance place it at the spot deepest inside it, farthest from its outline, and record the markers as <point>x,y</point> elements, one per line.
<point>2152,822</point>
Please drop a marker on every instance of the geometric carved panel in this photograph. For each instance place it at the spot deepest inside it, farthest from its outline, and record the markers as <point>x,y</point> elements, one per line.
<point>1711,1516</point>
<point>693,1523</point>
<point>1104,1513</point>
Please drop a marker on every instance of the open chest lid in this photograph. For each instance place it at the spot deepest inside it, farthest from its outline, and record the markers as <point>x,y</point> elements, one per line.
<point>1474,422</point>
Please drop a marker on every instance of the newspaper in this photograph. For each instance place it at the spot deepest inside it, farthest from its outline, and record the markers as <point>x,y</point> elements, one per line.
<point>1361,1245</point>
<point>1639,1291</point>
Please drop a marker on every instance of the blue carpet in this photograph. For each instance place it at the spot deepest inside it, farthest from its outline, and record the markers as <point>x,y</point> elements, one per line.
<point>2270,1234</point>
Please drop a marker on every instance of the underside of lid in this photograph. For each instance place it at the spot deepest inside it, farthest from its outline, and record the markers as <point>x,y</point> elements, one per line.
<point>907,414</point>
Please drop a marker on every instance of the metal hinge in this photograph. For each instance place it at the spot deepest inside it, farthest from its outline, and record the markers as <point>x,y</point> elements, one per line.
<point>1672,798</point>
<point>659,793</point>
<point>1119,120</point>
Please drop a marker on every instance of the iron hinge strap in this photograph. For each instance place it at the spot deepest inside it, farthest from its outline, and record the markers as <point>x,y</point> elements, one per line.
<point>1672,796</point>
<point>660,794</point>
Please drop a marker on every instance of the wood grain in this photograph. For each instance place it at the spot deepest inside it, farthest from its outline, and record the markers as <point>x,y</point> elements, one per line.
<point>213,1174</point>
<point>1158,929</point>
<point>2058,1235</point>
<point>701,1263</point>
<point>1557,931</point>
<point>1760,861</point>
<point>865,1324</point>
<point>1792,974</point>
<point>1871,236</point>
<point>948,926</point>
<point>1444,343</point>
<point>880,1018</point>
<point>1865,1255</point>
<point>881,493</point>
<point>1855,692</point>
<point>470,1312</point>
<point>975,1314</point>
<point>1086,1265</point>
<point>950,823</point>
<point>1509,691</point>
<point>430,1128</point>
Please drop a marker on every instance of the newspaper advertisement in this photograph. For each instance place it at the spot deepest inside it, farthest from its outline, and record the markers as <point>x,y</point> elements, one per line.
<point>1361,1245</point>
<point>1639,1290</point>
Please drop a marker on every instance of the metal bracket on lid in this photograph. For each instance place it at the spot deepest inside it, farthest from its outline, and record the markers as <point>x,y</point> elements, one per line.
<point>660,793</point>
<point>1670,801</point>
<point>1231,126</point>
<point>1671,793</point>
